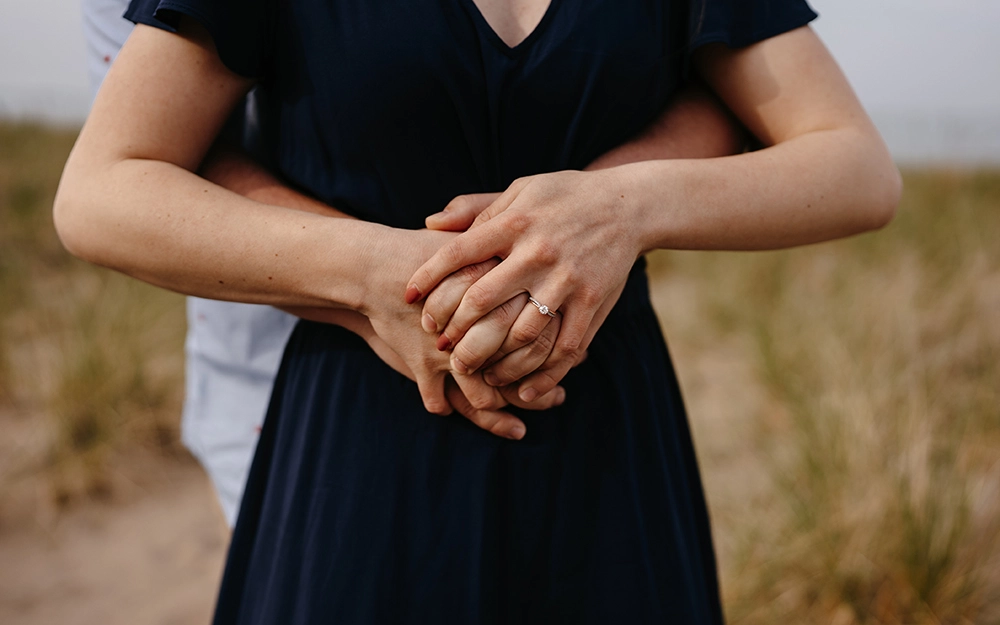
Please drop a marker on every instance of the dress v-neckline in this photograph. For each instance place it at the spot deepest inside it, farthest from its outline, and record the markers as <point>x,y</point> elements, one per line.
<point>498,41</point>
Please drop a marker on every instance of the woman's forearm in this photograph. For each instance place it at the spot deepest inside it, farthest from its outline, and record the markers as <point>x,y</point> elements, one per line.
<point>822,185</point>
<point>129,199</point>
<point>165,225</point>
<point>826,174</point>
<point>232,169</point>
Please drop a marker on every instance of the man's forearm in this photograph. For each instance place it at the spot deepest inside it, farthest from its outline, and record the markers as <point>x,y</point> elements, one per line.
<point>694,125</point>
<point>233,169</point>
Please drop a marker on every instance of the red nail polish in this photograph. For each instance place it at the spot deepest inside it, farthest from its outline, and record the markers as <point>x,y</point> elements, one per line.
<point>443,343</point>
<point>412,294</point>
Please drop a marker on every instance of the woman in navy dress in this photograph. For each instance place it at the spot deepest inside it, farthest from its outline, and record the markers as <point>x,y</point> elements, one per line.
<point>363,506</point>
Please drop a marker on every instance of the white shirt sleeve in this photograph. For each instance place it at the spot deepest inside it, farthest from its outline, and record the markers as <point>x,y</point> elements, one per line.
<point>105,31</point>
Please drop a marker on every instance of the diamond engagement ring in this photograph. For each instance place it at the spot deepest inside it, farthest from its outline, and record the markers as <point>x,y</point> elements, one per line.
<point>542,308</point>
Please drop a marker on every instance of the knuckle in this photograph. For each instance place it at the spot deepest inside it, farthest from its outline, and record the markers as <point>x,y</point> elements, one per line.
<point>434,303</point>
<point>478,298</point>
<point>588,296</point>
<point>461,203</point>
<point>568,345</point>
<point>503,375</point>
<point>471,273</point>
<point>521,183</point>
<point>466,355</point>
<point>523,334</point>
<point>423,277</point>
<point>542,345</point>
<point>481,401</point>
<point>546,252</point>
<point>516,221</point>
<point>545,382</point>
<point>453,252</point>
<point>485,215</point>
<point>505,313</point>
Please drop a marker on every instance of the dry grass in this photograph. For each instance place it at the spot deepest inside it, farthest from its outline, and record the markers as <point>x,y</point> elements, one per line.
<point>875,431</point>
<point>89,360</point>
<point>845,397</point>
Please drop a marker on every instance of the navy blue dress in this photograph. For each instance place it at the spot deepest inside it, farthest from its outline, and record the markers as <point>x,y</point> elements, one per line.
<point>361,507</point>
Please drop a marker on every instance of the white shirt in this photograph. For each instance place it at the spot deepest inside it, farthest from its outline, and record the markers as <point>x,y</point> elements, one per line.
<point>232,350</point>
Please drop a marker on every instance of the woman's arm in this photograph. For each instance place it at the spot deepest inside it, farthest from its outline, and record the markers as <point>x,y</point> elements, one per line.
<point>128,198</point>
<point>571,237</point>
<point>827,173</point>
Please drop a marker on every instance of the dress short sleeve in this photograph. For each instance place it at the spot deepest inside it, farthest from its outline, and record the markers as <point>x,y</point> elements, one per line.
<point>242,29</point>
<point>739,23</point>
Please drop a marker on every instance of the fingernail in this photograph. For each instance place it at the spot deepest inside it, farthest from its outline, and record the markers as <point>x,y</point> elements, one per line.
<point>412,294</point>
<point>516,433</point>
<point>491,378</point>
<point>528,394</point>
<point>443,343</point>
<point>428,324</point>
<point>459,366</point>
<point>438,215</point>
<point>560,396</point>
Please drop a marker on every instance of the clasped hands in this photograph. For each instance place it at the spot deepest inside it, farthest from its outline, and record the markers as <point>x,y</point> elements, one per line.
<point>466,332</point>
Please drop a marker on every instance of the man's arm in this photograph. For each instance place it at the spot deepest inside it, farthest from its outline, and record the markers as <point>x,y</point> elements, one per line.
<point>694,125</point>
<point>231,168</point>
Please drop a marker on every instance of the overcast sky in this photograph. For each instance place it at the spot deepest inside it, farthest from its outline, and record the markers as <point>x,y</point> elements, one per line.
<point>927,70</point>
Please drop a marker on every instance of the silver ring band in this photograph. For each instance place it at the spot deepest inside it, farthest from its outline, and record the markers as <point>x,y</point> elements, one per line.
<point>542,308</point>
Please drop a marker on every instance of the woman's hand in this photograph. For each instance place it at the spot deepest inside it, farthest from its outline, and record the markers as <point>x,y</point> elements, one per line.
<point>398,325</point>
<point>509,361</point>
<point>567,238</point>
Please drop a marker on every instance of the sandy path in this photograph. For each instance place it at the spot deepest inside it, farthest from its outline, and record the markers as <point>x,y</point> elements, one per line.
<point>153,560</point>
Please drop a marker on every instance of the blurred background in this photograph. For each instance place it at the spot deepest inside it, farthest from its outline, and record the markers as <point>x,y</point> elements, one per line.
<point>844,397</point>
